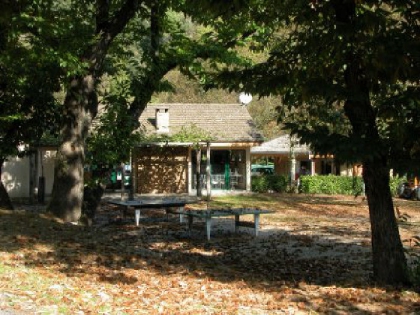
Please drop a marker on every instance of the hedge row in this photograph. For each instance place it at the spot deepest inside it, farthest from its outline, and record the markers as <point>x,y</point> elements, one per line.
<point>318,184</point>
<point>330,184</point>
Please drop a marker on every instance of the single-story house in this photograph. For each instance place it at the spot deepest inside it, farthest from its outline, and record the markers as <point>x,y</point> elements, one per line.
<point>292,158</point>
<point>169,166</point>
<point>227,135</point>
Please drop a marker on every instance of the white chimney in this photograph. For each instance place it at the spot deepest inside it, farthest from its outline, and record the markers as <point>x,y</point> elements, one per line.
<point>162,119</point>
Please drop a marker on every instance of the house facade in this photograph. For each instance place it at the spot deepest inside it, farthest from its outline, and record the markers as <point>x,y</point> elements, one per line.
<point>168,167</point>
<point>224,157</point>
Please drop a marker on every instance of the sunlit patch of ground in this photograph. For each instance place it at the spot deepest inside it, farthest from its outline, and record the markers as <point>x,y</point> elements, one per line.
<point>312,256</point>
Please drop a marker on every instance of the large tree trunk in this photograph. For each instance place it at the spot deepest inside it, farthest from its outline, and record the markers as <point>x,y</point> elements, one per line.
<point>389,262</point>
<point>67,194</point>
<point>80,107</point>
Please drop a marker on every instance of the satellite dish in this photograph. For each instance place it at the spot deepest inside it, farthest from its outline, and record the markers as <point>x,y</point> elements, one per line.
<point>245,98</point>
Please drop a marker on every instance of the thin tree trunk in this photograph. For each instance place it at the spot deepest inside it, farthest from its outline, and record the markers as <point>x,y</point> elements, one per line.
<point>5,201</point>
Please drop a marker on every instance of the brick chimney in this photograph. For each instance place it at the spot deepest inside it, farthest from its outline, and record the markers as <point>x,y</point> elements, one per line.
<point>162,119</point>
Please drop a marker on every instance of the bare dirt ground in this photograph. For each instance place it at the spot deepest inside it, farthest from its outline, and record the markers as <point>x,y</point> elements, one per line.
<point>312,256</point>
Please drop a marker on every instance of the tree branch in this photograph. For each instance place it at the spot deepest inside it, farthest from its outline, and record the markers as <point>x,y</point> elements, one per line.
<point>108,29</point>
<point>154,31</point>
<point>102,15</point>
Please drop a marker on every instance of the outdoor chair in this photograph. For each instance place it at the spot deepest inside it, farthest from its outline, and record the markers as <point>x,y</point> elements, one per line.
<point>217,181</point>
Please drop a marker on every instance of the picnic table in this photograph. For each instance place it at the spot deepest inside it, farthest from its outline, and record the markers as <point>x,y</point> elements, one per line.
<point>139,204</point>
<point>207,215</point>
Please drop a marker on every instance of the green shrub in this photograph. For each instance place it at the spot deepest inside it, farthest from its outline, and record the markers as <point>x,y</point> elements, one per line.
<point>275,183</point>
<point>343,185</point>
<point>318,184</point>
<point>259,184</point>
<point>394,183</point>
<point>331,184</point>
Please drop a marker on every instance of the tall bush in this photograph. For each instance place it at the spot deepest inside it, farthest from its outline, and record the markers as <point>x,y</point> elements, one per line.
<point>266,183</point>
<point>395,182</point>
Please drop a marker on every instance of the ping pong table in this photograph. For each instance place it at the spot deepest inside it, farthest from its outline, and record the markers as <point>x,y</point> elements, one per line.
<point>139,204</point>
<point>207,215</point>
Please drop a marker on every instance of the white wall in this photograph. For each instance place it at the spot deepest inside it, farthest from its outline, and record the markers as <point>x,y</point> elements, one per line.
<point>15,177</point>
<point>16,174</point>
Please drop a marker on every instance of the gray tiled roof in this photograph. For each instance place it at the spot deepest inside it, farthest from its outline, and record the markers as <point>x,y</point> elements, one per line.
<point>224,122</point>
<point>280,145</point>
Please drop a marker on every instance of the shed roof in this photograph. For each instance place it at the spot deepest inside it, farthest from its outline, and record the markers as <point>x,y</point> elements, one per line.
<point>280,145</point>
<point>223,122</point>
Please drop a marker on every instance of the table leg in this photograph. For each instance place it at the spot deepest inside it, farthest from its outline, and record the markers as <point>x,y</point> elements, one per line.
<point>190,222</point>
<point>236,222</point>
<point>137,215</point>
<point>181,215</point>
<point>208,227</point>
<point>124,211</point>
<point>256,223</point>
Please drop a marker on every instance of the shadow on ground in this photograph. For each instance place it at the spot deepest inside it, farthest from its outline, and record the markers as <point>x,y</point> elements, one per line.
<point>333,255</point>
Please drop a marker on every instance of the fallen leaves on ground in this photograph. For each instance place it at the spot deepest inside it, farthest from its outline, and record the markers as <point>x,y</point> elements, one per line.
<point>312,256</point>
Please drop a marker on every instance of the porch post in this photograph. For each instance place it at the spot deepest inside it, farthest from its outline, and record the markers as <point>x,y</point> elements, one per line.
<point>292,161</point>
<point>131,191</point>
<point>134,170</point>
<point>312,167</point>
<point>208,172</point>
<point>248,169</point>
<point>190,175</point>
<point>292,168</point>
<point>33,174</point>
